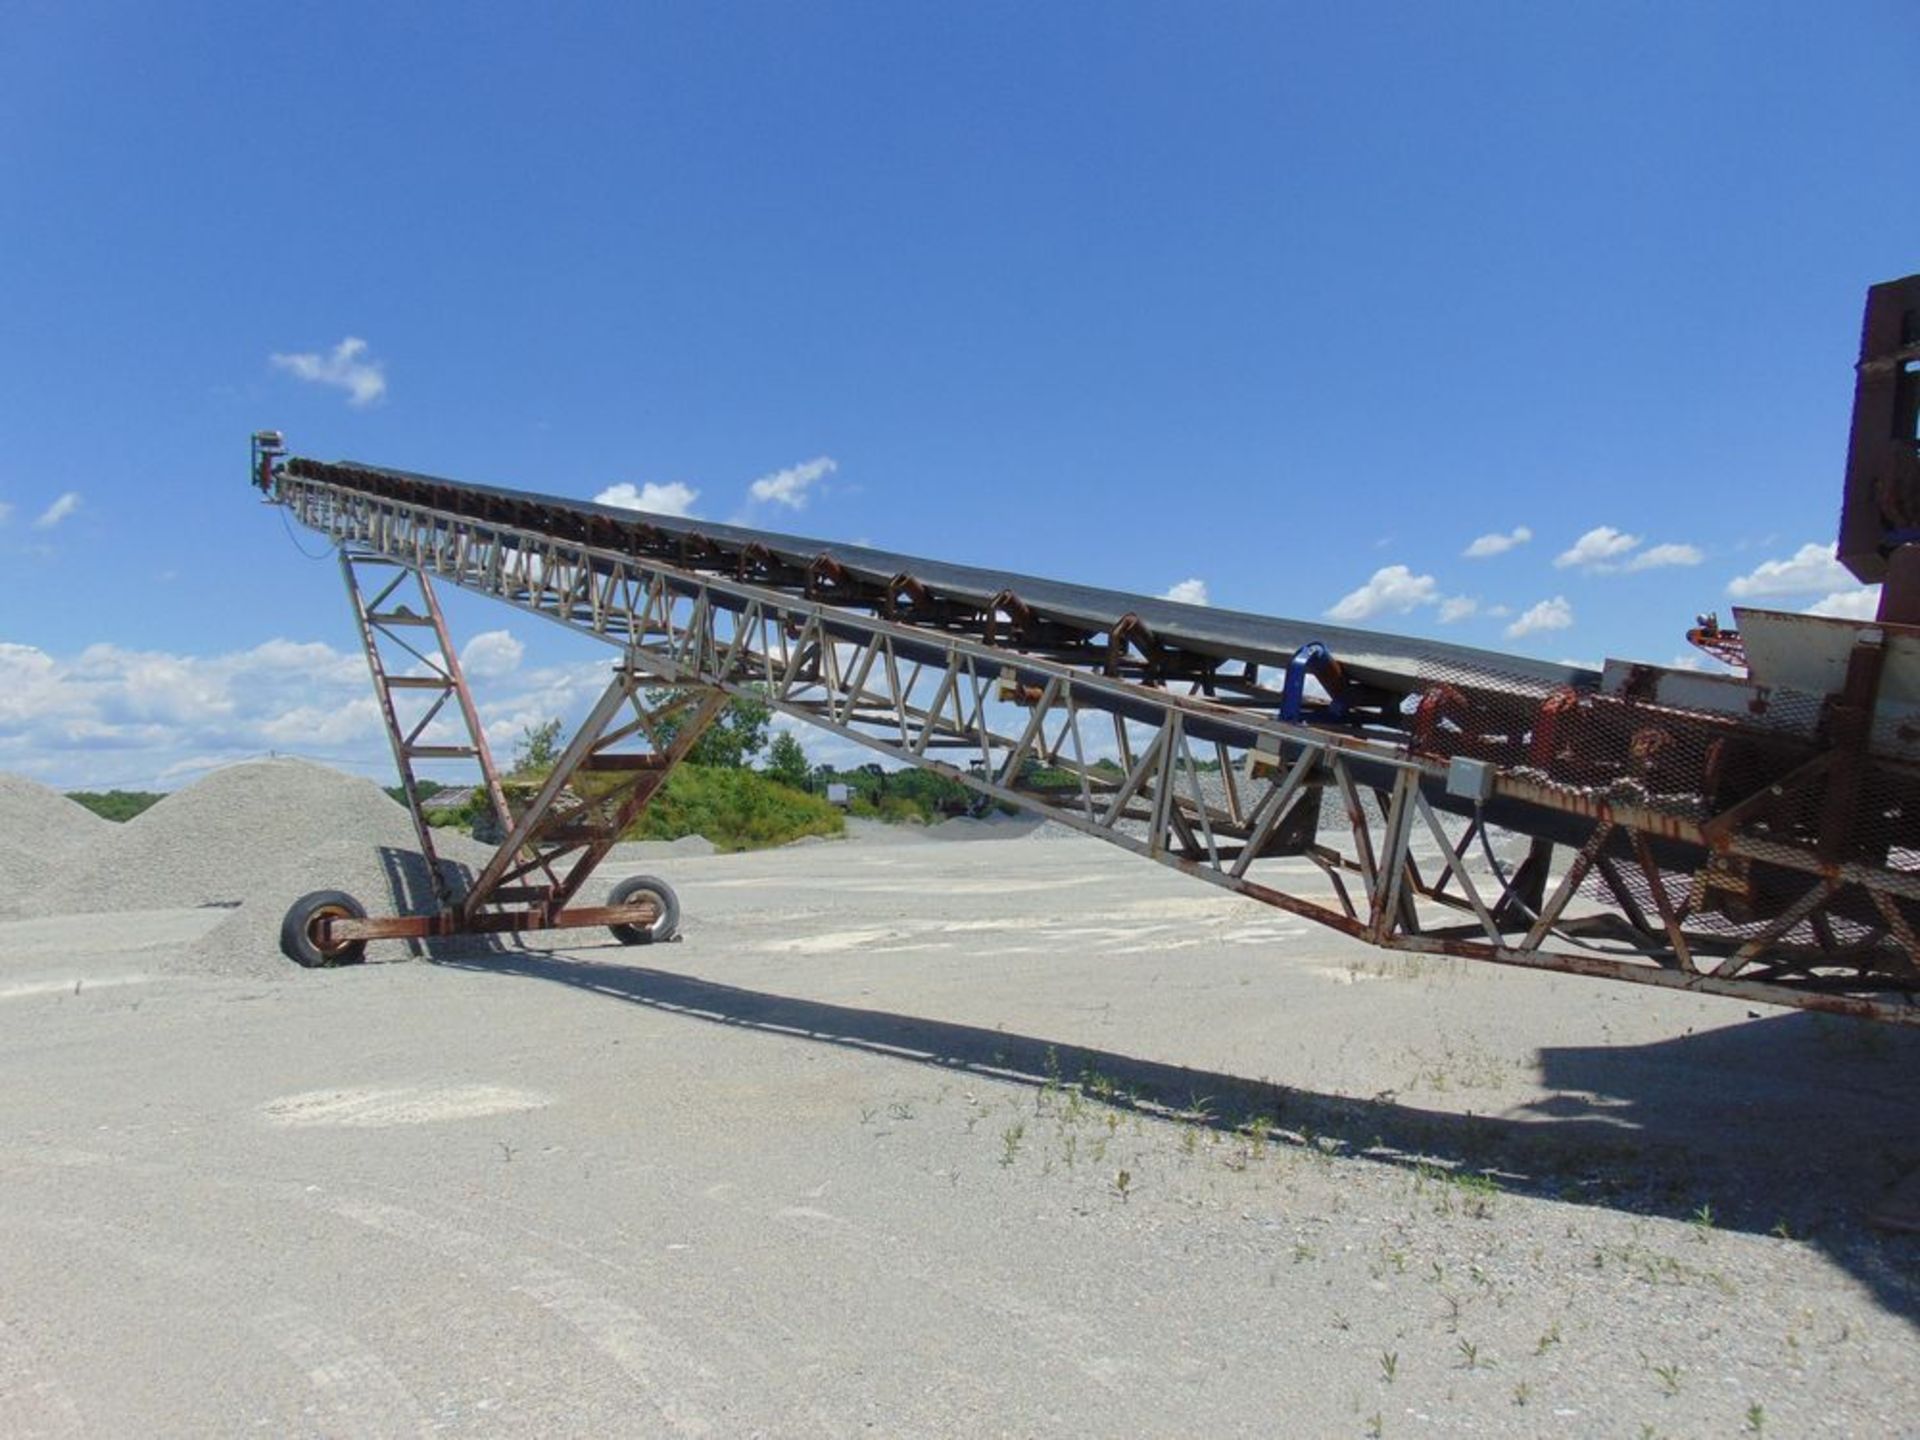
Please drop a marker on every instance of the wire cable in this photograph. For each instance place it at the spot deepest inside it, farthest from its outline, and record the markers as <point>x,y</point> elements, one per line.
<point>287,525</point>
<point>1511,897</point>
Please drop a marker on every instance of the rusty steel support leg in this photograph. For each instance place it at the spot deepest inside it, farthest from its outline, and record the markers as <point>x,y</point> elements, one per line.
<point>632,740</point>
<point>1900,591</point>
<point>392,611</point>
<point>558,840</point>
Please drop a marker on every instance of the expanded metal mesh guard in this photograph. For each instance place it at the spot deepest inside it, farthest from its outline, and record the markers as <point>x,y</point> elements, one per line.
<point>1768,768</point>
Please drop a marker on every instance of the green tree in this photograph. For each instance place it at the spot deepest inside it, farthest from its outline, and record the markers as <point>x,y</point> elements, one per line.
<point>787,762</point>
<point>736,736</point>
<point>538,749</point>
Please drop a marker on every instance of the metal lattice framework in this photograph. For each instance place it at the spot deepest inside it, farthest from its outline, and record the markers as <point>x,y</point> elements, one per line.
<point>1157,765</point>
<point>630,741</point>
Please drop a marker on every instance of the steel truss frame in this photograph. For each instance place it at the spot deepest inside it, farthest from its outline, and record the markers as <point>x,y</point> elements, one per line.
<point>631,738</point>
<point>1213,790</point>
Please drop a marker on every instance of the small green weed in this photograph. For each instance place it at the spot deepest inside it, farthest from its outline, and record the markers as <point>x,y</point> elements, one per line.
<point>1010,1139</point>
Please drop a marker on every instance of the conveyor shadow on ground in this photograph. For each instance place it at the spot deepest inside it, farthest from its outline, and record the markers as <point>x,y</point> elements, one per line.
<point>410,886</point>
<point>1793,1124</point>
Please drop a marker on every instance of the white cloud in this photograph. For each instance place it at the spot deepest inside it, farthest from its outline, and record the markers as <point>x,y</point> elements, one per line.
<point>58,511</point>
<point>536,696</point>
<point>1809,571</point>
<point>1656,556</point>
<point>1595,549</point>
<point>1554,614</point>
<point>492,654</point>
<point>6,512</point>
<point>1603,551</point>
<point>789,487</point>
<point>1860,603</point>
<point>1458,607</point>
<point>327,727</point>
<point>1189,592</point>
<point>672,498</point>
<point>1393,590</point>
<point>346,367</point>
<point>1497,543</point>
<point>110,716</point>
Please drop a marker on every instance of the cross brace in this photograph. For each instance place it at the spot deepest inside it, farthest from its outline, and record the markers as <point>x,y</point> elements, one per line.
<point>554,840</point>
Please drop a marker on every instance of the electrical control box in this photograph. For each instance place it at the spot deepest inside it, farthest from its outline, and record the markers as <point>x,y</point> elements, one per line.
<point>1470,779</point>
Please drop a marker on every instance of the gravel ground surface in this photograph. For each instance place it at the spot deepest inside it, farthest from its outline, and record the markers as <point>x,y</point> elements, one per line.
<point>910,1137</point>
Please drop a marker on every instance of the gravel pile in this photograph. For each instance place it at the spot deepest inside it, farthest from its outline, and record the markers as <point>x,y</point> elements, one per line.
<point>223,840</point>
<point>993,827</point>
<point>997,826</point>
<point>1054,830</point>
<point>41,833</point>
<point>629,851</point>
<point>251,838</point>
<point>386,876</point>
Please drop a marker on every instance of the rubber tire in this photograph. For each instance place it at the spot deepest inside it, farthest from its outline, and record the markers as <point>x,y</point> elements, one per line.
<point>296,937</point>
<point>665,925</point>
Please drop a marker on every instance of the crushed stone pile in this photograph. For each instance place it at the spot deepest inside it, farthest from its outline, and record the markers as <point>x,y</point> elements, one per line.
<point>1054,830</point>
<point>876,832</point>
<point>221,840</point>
<point>253,838</point>
<point>633,851</point>
<point>387,877</point>
<point>992,827</point>
<point>42,833</point>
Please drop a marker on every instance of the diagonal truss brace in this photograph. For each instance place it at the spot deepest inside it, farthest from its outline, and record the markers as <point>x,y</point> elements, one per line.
<point>631,741</point>
<point>562,835</point>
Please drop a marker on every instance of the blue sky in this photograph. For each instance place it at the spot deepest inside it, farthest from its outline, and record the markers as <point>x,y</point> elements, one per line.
<point>1294,302</point>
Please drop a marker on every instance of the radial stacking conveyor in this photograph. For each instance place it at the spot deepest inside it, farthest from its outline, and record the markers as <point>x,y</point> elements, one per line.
<point>1754,833</point>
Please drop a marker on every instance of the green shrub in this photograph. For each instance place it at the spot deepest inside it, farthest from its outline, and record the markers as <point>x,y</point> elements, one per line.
<point>735,809</point>
<point>115,804</point>
<point>899,810</point>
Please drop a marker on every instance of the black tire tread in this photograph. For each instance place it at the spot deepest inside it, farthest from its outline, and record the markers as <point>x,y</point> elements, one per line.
<point>297,944</point>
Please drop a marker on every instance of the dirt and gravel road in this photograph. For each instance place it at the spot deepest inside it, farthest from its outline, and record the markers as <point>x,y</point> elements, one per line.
<point>920,1136</point>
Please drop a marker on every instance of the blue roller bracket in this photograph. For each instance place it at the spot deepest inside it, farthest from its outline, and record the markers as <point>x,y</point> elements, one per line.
<point>1293,692</point>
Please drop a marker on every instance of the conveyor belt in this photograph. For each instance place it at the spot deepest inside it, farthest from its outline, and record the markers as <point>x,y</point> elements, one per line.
<point>1397,663</point>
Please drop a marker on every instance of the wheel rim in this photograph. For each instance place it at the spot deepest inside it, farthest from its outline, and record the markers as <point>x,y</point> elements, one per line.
<point>327,912</point>
<point>646,894</point>
<point>652,897</point>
